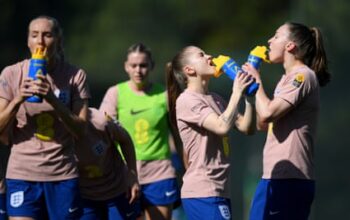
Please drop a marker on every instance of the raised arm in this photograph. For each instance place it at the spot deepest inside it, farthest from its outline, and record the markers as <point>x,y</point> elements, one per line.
<point>221,124</point>
<point>75,119</point>
<point>246,123</point>
<point>267,110</point>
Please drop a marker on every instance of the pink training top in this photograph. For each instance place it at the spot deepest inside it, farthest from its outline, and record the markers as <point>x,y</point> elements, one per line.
<point>42,147</point>
<point>208,172</point>
<point>288,151</point>
<point>148,171</point>
<point>102,171</point>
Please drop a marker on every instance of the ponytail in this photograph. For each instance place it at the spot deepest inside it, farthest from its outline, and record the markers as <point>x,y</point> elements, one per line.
<point>310,50</point>
<point>319,62</point>
<point>176,81</point>
<point>174,90</point>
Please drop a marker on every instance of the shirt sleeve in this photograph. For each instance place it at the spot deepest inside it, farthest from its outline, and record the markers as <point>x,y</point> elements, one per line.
<point>109,102</point>
<point>294,88</point>
<point>193,110</point>
<point>113,128</point>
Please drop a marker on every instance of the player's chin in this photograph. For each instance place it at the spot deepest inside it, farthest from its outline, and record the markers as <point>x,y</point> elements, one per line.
<point>138,80</point>
<point>212,71</point>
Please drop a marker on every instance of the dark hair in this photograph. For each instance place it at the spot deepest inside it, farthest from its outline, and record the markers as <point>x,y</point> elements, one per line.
<point>176,81</point>
<point>57,31</point>
<point>310,49</point>
<point>140,48</point>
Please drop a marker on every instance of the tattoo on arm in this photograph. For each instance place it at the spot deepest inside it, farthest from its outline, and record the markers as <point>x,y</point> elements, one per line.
<point>227,119</point>
<point>224,118</point>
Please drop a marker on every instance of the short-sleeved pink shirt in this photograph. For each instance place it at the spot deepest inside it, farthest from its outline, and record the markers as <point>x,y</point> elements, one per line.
<point>288,151</point>
<point>42,147</point>
<point>102,171</point>
<point>208,172</point>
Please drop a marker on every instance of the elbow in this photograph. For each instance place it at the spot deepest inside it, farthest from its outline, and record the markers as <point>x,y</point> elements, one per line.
<point>247,130</point>
<point>262,122</point>
<point>250,131</point>
<point>265,118</point>
<point>261,127</point>
<point>222,131</point>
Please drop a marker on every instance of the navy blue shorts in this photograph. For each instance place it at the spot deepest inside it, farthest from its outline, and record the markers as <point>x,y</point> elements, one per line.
<point>160,193</point>
<point>213,208</point>
<point>117,208</point>
<point>3,212</point>
<point>38,200</point>
<point>287,199</point>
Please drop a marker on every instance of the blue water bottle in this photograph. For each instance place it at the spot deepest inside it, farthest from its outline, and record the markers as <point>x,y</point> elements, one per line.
<point>257,55</point>
<point>37,65</point>
<point>227,65</point>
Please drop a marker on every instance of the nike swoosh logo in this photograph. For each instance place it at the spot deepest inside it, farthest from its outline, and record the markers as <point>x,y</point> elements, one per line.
<point>129,214</point>
<point>133,112</point>
<point>2,211</point>
<point>73,209</point>
<point>170,193</point>
<point>274,213</point>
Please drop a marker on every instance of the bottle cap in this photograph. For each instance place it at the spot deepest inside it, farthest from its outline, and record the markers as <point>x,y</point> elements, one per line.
<point>39,53</point>
<point>260,51</point>
<point>219,62</point>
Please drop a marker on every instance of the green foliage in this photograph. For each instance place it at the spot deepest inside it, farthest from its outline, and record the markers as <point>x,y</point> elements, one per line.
<point>166,26</point>
<point>98,33</point>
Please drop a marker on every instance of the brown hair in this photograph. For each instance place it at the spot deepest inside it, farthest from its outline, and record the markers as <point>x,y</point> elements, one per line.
<point>140,48</point>
<point>310,49</point>
<point>57,31</point>
<point>176,81</point>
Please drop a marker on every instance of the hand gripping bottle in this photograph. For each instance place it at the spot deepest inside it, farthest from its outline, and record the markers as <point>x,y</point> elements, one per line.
<point>37,65</point>
<point>227,65</point>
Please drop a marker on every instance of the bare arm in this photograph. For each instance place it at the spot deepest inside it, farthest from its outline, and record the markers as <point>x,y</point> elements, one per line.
<point>246,123</point>
<point>221,124</point>
<point>271,110</point>
<point>261,126</point>
<point>8,109</point>
<point>268,110</point>
<point>127,147</point>
<point>75,119</point>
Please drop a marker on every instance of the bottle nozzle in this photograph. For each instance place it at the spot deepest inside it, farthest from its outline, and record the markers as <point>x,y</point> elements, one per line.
<point>260,51</point>
<point>219,62</point>
<point>39,53</point>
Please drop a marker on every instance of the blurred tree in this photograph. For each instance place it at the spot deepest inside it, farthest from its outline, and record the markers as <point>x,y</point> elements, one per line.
<point>332,147</point>
<point>97,34</point>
